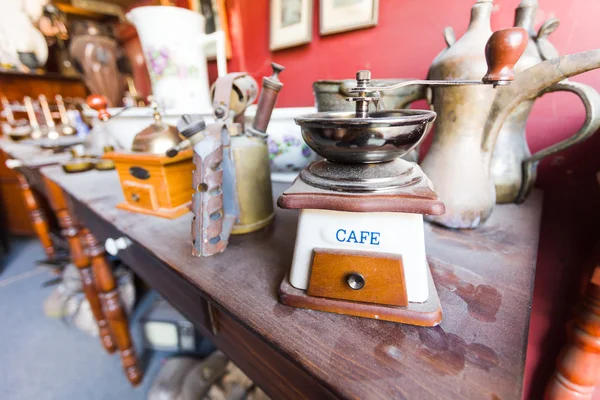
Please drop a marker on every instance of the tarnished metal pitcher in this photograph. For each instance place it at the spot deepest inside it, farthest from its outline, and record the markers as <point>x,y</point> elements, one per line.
<point>454,162</point>
<point>470,119</point>
<point>513,167</point>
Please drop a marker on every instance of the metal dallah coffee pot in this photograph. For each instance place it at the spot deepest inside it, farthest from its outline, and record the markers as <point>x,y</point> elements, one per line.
<point>470,118</point>
<point>232,180</point>
<point>513,167</point>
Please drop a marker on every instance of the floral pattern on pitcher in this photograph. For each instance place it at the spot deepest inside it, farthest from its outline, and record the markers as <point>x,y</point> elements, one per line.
<point>162,65</point>
<point>288,154</point>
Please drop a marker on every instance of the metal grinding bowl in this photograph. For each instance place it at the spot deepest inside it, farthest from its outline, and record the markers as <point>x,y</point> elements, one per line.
<point>382,136</point>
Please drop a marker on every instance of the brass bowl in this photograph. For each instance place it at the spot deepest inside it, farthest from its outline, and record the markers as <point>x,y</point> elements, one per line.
<point>104,164</point>
<point>383,136</point>
<point>17,137</point>
<point>76,166</point>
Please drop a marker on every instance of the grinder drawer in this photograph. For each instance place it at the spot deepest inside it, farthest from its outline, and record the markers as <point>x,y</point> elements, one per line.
<point>367,277</point>
<point>140,195</point>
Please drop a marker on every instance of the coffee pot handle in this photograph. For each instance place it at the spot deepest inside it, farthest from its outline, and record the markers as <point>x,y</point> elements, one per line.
<point>591,101</point>
<point>218,38</point>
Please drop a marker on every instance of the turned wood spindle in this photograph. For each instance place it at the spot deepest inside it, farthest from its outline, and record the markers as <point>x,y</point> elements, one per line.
<point>36,214</point>
<point>113,308</point>
<point>70,231</point>
<point>578,366</point>
<point>37,217</point>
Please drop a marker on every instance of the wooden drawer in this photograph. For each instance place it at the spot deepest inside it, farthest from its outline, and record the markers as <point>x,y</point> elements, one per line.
<point>140,195</point>
<point>358,276</point>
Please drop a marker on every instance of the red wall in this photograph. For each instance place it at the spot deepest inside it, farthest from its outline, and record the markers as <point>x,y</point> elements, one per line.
<point>407,38</point>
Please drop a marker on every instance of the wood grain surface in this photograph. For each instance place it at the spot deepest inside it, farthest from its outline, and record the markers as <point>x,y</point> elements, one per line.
<point>484,278</point>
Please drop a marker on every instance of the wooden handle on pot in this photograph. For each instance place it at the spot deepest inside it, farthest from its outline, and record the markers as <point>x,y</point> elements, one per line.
<point>99,103</point>
<point>502,51</point>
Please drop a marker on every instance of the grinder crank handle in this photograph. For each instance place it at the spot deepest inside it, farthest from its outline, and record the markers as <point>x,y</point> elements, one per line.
<point>502,51</point>
<point>191,127</point>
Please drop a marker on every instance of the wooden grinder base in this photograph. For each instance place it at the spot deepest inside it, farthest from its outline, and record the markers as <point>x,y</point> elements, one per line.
<point>428,313</point>
<point>170,213</point>
<point>155,184</point>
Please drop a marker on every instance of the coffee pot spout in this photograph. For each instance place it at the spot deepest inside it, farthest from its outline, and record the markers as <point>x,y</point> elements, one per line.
<point>528,85</point>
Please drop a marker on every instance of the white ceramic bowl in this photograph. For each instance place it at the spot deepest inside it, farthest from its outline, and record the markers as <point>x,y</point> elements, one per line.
<point>288,152</point>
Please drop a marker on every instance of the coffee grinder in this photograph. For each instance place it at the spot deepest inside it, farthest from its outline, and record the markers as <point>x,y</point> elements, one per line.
<point>152,183</point>
<point>360,245</point>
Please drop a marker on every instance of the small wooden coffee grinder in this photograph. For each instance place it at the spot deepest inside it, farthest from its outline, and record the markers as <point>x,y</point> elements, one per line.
<point>360,246</point>
<point>152,183</point>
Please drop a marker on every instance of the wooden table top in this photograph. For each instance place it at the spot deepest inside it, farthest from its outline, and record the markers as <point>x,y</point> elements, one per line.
<point>484,278</point>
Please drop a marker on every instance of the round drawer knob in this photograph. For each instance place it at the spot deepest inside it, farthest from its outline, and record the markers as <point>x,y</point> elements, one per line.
<point>12,163</point>
<point>355,281</point>
<point>113,246</point>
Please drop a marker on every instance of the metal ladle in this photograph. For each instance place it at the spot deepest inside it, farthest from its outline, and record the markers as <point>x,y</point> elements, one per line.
<point>16,130</point>
<point>65,128</point>
<point>36,131</point>
<point>52,132</point>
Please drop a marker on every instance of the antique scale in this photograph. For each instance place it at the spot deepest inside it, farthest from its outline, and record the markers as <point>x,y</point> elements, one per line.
<point>360,245</point>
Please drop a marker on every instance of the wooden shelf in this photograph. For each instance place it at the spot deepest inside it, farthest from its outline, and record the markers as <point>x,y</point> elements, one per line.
<point>46,75</point>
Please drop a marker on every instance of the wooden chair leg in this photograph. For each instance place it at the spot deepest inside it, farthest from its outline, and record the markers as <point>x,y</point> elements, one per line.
<point>113,308</point>
<point>70,231</point>
<point>37,217</point>
<point>578,367</point>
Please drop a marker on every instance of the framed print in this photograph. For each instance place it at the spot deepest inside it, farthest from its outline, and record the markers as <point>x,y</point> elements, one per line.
<point>291,23</point>
<point>215,13</point>
<point>347,15</point>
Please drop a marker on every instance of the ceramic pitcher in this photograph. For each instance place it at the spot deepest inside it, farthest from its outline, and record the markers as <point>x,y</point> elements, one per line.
<point>174,42</point>
<point>513,167</point>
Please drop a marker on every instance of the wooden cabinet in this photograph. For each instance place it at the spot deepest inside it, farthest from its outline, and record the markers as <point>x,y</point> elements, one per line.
<point>14,86</point>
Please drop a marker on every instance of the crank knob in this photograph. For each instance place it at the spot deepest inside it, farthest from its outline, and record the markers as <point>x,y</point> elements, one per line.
<point>99,103</point>
<point>502,51</point>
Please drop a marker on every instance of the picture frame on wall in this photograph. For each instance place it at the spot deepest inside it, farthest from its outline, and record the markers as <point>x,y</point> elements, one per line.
<point>347,15</point>
<point>215,14</point>
<point>290,23</point>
